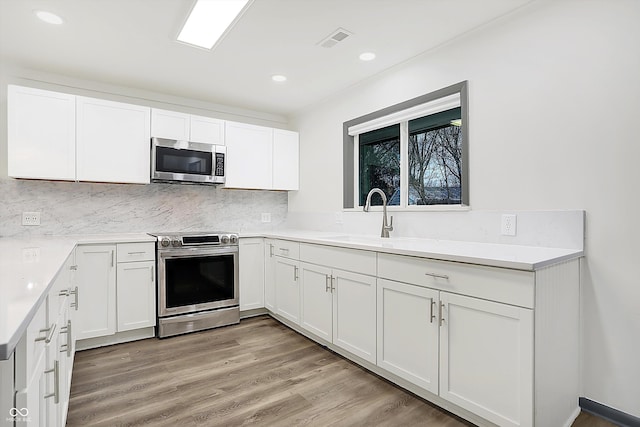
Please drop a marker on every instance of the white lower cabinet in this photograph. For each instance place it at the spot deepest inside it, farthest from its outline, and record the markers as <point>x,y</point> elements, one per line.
<point>96,290</point>
<point>136,296</point>
<point>252,273</point>
<point>486,358</point>
<point>408,329</point>
<point>44,359</point>
<point>337,305</point>
<point>287,288</point>
<point>116,288</point>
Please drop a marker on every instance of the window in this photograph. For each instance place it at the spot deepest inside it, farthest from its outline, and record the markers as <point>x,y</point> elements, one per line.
<point>415,152</point>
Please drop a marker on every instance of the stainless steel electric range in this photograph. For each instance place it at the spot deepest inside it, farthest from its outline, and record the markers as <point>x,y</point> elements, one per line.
<point>197,281</point>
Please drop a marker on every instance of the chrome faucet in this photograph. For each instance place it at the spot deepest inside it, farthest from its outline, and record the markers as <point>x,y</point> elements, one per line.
<point>386,227</point>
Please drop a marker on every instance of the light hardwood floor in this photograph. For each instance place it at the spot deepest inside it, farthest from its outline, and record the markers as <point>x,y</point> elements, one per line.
<point>256,373</point>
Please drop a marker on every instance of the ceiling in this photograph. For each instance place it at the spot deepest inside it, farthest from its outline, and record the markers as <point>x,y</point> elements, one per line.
<point>132,43</point>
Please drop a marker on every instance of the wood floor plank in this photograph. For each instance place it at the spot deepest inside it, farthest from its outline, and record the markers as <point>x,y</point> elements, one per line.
<point>258,372</point>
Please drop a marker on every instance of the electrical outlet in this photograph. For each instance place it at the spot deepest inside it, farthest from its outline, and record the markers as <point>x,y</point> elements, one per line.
<point>508,227</point>
<point>30,218</point>
<point>339,218</point>
<point>266,217</point>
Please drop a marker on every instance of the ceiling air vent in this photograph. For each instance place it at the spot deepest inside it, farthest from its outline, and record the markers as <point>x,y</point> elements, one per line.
<point>334,38</point>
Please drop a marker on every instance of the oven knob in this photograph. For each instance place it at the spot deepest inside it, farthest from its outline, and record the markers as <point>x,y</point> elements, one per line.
<point>225,239</point>
<point>234,238</point>
<point>165,242</point>
<point>176,242</point>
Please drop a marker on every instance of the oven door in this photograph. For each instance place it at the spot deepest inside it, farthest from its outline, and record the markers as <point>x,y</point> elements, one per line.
<point>197,279</point>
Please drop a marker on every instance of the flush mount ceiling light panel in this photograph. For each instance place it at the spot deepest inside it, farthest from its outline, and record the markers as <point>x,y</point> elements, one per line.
<point>210,20</point>
<point>48,17</point>
<point>334,38</point>
<point>367,56</point>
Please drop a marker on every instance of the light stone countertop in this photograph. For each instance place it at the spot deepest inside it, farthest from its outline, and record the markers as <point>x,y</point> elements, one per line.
<point>28,268</point>
<point>518,257</point>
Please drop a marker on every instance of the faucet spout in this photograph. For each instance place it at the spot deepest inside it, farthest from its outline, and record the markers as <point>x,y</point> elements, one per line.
<point>386,226</point>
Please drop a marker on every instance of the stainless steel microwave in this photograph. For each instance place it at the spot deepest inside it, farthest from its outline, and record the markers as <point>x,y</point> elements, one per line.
<point>184,161</point>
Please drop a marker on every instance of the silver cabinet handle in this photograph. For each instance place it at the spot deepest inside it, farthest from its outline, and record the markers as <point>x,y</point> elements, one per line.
<point>66,347</point>
<point>270,249</point>
<point>432,316</point>
<point>135,253</point>
<point>75,294</point>
<point>441,313</point>
<point>73,267</point>
<point>64,293</point>
<point>56,382</point>
<point>50,330</point>
<point>152,275</point>
<point>112,255</point>
<point>327,283</point>
<point>295,273</point>
<point>284,250</point>
<point>333,283</point>
<point>438,276</point>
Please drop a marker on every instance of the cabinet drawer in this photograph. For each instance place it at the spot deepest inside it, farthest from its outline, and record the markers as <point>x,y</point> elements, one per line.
<point>286,249</point>
<point>354,260</point>
<point>496,284</point>
<point>128,252</point>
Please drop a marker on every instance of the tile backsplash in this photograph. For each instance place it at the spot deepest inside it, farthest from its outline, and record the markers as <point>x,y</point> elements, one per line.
<point>90,208</point>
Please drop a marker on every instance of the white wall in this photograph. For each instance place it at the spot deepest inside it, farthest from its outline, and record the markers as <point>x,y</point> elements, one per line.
<point>554,100</point>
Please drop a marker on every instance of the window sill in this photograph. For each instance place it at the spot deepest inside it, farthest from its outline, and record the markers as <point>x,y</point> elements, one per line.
<point>431,208</point>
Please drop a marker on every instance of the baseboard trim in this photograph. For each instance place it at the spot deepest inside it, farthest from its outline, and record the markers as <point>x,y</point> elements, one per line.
<point>613,415</point>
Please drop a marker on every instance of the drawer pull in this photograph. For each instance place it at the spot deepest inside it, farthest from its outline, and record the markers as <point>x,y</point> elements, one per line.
<point>284,250</point>
<point>73,267</point>
<point>437,276</point>
<point>47,339</point>
<point>56,382</point>
<point>135,253</point>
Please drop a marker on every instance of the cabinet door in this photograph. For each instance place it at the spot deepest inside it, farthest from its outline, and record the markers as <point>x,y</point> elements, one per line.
<point>170,124</point>
<point>287,288</point>
<point>269,275</point>
<point>316,300</point>
<point>408,326</point>
<point>285,160</point>
<point>41,134</point>
<point>252,273</point>
<point>354,314</point>
<point>113,142</point>
<point>486,358</point>
<point>31,396</point>
<point>249,156</point>
<point>207,130</point>
<point>96,276</point>
<point>136,295</point>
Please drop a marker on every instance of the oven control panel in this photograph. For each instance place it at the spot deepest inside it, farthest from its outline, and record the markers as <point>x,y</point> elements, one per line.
<point>179,240</point>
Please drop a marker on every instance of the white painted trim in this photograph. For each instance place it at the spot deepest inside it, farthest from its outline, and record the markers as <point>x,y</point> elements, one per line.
<point>432,107</point>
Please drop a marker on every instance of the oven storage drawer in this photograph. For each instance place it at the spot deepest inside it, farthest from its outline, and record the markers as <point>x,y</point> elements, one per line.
<point>128,252</point>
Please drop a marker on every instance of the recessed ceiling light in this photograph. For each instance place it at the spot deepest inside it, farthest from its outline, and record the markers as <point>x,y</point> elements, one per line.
<point>367,56</point>
<point>48,17</point>
<point>279,78</point>
<point>209,21</point>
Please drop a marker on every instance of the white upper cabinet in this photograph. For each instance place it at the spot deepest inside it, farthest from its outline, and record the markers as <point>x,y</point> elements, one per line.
<point>261,157</point>
<point>207,130</point>
<point>249,154</point>
<point>112,141</point>
<point>285,160</point>
<point>41,134</point>
<point>186,127</point>
<point>170,124</point>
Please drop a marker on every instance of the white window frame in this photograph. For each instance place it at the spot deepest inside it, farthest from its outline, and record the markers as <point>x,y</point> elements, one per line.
<point>402,118</point>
